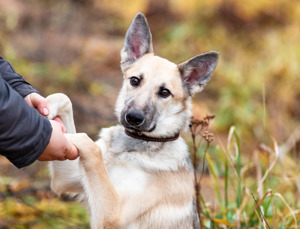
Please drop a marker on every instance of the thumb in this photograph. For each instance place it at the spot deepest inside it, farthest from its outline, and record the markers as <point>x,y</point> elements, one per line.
<point>72,152</point>
<point>42,107</point>
<point>40,103</point>
<point>63,128</point>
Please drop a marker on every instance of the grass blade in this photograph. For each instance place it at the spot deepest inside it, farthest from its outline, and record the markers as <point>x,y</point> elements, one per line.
<point>216,181</point>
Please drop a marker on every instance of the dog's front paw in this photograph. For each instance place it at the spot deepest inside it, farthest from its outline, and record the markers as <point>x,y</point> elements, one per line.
<point>88,149</point>
<point>58,105</point>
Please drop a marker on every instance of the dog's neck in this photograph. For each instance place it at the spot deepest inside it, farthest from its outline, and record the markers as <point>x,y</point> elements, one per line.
<point>152,139</point>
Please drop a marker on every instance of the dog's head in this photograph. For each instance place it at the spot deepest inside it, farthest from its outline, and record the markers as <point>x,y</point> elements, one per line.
<point>155,97</point>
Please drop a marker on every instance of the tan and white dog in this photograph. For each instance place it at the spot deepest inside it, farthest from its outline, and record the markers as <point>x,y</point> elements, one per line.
<point>138,174</point>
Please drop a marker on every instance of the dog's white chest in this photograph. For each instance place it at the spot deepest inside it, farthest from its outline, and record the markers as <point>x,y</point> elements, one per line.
<point>128,179</point>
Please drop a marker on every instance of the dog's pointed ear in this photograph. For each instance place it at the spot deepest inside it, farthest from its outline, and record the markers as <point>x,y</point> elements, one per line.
<point>138,40</point>
<point>197,71</point>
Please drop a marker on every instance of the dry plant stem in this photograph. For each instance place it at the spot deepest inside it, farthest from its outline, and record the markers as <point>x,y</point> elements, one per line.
<point>258,173</point>
<point>260,185</point>
<point>203,162</point>
<point>197,184</point>
<point>257,206</point>
<point>290,143</point>
<point>199,127</point>
<point>288,206</point>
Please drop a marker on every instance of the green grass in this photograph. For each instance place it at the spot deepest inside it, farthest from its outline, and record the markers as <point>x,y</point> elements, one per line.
<point>255,88</point>
<point>29,212</point>
<point>256,191</point>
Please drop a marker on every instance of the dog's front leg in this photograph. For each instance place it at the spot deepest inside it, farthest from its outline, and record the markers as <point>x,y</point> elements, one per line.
<point>65,175</point>
<point>101,194</point>
<point>60,105</point>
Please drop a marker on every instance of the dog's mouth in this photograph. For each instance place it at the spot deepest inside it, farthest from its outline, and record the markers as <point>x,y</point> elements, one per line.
<point>139,130</point>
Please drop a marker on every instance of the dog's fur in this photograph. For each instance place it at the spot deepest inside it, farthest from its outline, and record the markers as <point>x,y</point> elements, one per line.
<point>135,183</point>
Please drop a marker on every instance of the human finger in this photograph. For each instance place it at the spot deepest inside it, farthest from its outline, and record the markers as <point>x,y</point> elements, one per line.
<point>39,102</point>
<point>72,152</point>
<point>59,146</point>
<point>57,119</point>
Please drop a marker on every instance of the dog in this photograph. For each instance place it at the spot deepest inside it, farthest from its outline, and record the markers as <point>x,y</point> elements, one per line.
<point>138,174</point>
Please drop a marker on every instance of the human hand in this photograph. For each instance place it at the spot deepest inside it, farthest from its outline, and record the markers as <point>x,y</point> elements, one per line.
<point>38,102</point>
<point>59,148</point>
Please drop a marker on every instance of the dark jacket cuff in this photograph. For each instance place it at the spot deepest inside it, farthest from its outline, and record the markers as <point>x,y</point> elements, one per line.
<point>24,133</point>
<point>32,154</point>
<point>15,80</point>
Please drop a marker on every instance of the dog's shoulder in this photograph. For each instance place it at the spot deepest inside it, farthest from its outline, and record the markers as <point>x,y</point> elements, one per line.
<point>105,141</point>
<point>106,135</point>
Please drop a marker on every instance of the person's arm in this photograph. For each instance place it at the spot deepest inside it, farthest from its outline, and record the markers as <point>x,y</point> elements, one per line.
<point>18,83</point>
<point>15,80</point>
<point>24,133</point>
<point>26,136</point>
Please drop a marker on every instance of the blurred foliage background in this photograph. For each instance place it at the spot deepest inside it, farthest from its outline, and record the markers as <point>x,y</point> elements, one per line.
<point>73,46</point>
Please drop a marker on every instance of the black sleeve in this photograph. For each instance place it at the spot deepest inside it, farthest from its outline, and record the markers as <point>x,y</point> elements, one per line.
<point>24,133</point>
<point>15,80</point>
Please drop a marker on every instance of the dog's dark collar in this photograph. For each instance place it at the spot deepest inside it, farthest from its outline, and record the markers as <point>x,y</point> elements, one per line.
<point>152,139</point>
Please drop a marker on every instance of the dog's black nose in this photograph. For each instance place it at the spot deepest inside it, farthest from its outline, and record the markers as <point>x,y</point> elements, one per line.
<point>135,118</point>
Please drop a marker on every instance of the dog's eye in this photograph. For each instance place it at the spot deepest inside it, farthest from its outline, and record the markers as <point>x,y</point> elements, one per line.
<point>164,93</point>
<point>134,81</point>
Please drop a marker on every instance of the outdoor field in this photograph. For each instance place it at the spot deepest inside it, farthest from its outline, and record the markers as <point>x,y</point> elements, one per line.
<point>245,137</point>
